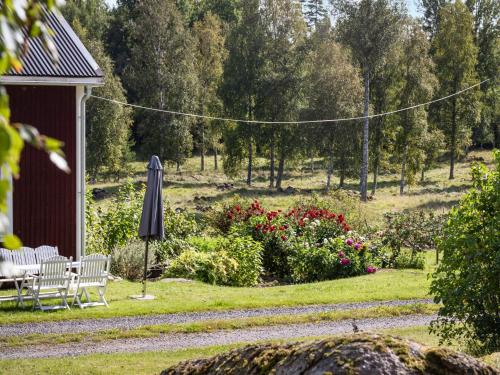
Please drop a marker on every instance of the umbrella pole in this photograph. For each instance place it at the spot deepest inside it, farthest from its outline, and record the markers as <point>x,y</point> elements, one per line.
<point>145,268</point>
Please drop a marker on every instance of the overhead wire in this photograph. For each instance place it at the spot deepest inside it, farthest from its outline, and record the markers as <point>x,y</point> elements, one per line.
<point>177,113</point>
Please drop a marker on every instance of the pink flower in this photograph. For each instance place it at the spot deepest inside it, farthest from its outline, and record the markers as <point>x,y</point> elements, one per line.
<point>371,269</point>
<point>357,245</point>
<point>345,261</point>
<point>341,254</point>
<point>349,242</point>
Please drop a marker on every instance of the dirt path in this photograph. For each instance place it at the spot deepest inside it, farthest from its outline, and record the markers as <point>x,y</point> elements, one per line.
<point>193,340</point>
<point>92,325</point>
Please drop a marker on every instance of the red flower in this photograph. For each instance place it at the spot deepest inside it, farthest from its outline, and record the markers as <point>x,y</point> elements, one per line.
<point>284,238</point>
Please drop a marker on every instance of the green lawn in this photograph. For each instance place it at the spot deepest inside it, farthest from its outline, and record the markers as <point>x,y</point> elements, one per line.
<point>196,296</point>
<point>150,362</point>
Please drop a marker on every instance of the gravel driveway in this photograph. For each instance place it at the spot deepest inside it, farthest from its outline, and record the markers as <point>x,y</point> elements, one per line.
<point>92,325</point>
<point>192,340</point>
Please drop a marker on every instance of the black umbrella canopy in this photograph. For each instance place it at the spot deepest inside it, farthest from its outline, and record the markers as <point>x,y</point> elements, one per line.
<point>151,226</point>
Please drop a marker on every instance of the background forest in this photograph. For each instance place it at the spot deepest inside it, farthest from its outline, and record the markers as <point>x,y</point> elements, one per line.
<point>285,60</point>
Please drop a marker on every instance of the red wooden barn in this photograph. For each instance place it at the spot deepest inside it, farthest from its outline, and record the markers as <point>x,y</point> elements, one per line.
<point>47,205</point>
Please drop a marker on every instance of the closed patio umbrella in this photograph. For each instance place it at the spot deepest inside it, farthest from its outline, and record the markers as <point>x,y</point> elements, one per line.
<point>151,227</point>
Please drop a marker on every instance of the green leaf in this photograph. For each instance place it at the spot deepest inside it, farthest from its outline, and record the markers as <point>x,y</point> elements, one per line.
<point>52,144</point>
<point>12,242</point>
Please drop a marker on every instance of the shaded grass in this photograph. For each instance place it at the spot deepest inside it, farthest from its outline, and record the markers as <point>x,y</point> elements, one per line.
<point>186,297</point>
<point>214,325</point>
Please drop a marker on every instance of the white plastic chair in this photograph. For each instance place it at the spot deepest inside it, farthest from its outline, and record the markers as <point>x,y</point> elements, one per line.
<point>92,273</point>
<point>53,281</point>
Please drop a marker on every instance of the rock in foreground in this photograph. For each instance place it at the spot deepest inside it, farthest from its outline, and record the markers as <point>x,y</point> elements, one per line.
<point>368,354</point>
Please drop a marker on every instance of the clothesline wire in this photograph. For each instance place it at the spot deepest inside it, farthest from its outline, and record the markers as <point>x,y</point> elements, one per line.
<point>288,122</point>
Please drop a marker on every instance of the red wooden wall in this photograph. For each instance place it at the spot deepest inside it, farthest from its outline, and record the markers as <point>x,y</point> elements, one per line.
<point>44,197</point>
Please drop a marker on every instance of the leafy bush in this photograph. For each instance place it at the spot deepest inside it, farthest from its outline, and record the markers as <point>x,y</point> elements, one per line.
<point>179,224</point>
<point>128,261</point>
<point>467,281</point>
<point>209,267</point>
<point>171,247</point>
<point>408,259</point>
<point>179,227</point>
<point>235,261</point>
<point>334,258</point>
<point>339,201</point>
<point>118,224</point>
<point>416,230</point>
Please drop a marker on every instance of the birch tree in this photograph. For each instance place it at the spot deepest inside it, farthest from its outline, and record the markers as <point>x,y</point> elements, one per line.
<point>369,28</point>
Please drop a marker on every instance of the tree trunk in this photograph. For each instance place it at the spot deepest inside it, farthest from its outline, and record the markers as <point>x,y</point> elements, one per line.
<point>364,163</point>
<point>216,162</point>
<point>496,133</point>
<point>378,141</point>
<point>250,159</point>
<point>178,167</point>
<point>311,161</point>
<point>453,138</point>
<point>202,148</point>
<point>422,176</point>
<point>403,170</point>
<point>375,176</point>
<point>330,170</point>
<point>281,168</point>
<point>271,163</point>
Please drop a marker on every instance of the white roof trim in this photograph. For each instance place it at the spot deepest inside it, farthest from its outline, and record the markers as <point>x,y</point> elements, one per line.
<point>51,81</point>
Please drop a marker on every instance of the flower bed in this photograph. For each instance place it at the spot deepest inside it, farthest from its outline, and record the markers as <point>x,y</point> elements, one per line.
<point>301,244</point>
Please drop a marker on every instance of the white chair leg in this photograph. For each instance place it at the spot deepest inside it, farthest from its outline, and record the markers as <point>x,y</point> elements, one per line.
<point>101,291</point>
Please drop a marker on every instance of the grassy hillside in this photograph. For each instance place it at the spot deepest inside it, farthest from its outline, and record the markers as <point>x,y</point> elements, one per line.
<point>190,188</point>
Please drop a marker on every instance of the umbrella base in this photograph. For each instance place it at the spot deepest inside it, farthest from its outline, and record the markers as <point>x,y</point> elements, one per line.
<point>140,297</point>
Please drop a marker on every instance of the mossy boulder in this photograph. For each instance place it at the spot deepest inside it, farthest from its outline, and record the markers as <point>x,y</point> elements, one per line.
<point>369,354</point>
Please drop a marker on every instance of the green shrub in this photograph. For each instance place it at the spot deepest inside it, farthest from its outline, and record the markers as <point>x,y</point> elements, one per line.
<point>211,267</point>
<point>234,261</point>
<point>128,261</point>
<point>340,201</point>
<point>406,259</point>
<point>334,258</point>
<point>248,255</point>
<point>179,227</point>
<point>467,281</point>
<point>179,224</point>
<point>381,255</point>
<point>118,224</point>
<point>416,230</point>
<point>165,251</point>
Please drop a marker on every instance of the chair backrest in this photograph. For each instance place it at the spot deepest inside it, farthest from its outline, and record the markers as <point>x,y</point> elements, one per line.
<point>30,258</point>
<point>54,272</point>
<point>94,268</point>
<point>6,257</point>
<point>45,252</point>
<point>18,257</point>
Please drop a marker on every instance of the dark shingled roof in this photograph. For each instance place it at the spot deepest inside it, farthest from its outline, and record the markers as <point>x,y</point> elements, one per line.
<point>74,59</point>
